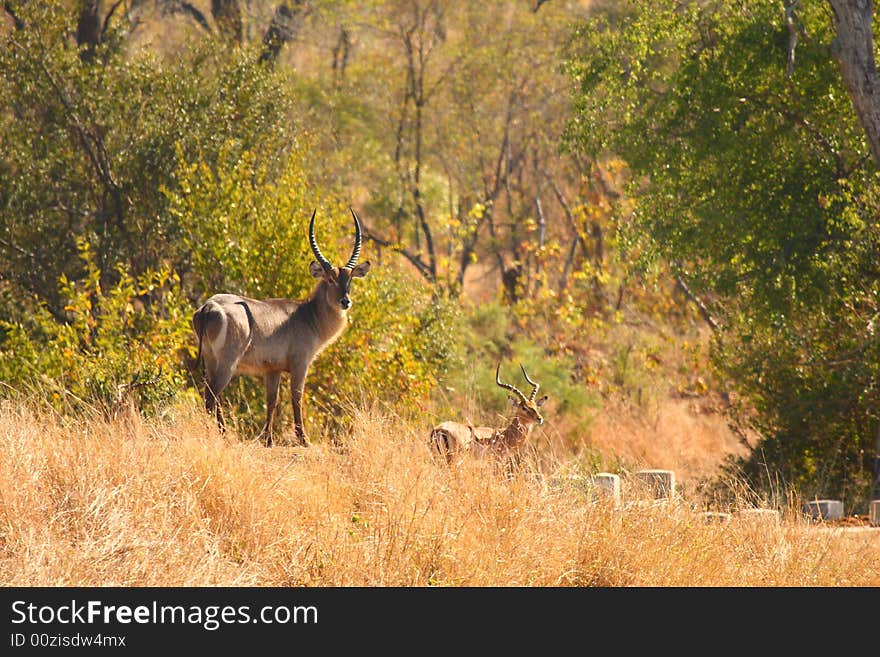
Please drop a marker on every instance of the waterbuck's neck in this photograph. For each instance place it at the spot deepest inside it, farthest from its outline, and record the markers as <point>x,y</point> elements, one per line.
<point>323,313</point>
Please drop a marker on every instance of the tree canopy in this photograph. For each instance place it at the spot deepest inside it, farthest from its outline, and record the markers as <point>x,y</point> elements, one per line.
<point>753,176</point>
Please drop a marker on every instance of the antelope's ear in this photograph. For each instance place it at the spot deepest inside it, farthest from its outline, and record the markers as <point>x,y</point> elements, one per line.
<point>541,401</point>
<point>361,270</point>
<point>315,269</point>
<point>513,401</point>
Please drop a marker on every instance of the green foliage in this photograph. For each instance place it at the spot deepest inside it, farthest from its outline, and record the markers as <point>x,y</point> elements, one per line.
<point>759,184</point>
<point>702,101</point>
<point>150,183</point>
<point>495,338</point>
<point>825,370</point>
<point>120,345</point>
<point>402,340</point>
<point>89,145</point>
<point>245,229</point>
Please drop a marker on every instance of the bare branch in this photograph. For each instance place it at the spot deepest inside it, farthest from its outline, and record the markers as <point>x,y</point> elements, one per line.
<point>90,141</point>
<point>15,247</point>
<point>538,4</point>
<point>693,298</point>
<point>110,15</point>
<point>569,261</point>
<point>416,91</point>
<point>340,54</point>
<point>542,221</point>
<point>282,29</point>
<point>569,215</point>
<point>795,30</point>
<point>193,12</point>
<point>188,9</point>
<point>227,17</point>
<point>423,267</point>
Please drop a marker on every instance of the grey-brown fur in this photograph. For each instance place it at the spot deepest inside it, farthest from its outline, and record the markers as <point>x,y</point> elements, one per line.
<point>240,335</point>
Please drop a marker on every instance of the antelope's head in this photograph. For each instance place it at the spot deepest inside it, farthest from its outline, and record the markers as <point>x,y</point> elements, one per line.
<point>526,407</point>
<point>337,279</point>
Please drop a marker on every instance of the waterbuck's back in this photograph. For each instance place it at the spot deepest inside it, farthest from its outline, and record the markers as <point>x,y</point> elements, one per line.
<point>256,334</point>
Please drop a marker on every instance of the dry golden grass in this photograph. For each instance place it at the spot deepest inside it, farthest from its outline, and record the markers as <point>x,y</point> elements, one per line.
<point>676,434</point>
<point>164,503</point>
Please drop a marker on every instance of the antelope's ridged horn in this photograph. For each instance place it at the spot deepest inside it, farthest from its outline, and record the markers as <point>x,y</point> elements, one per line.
<point>314,244</point>
<point>534,385</point>
<point>507,386</point>
<point>352,261</point>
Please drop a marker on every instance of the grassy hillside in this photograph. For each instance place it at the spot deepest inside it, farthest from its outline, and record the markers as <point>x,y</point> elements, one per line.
<point>172,502</point>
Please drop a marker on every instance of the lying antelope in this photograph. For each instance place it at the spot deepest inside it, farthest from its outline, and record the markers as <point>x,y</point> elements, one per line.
<point>238,335</point>
<point>453,439</point>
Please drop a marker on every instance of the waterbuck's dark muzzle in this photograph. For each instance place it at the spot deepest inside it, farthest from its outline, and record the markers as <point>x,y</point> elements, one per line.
<point>345,302</point>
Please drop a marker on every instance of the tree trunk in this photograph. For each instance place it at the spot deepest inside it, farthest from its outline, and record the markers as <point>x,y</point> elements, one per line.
<point>227,16</point>
<point>569,262</point>
<point>282,29</point>
<point>853,48</point>
<point>542,235</point>
<point>340,55</point>
<point>510,280</point>
<point>88,29</point>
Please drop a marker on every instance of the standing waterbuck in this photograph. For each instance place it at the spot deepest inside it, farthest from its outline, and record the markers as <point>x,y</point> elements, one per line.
<point>238,335</point>
<point>454,439</point>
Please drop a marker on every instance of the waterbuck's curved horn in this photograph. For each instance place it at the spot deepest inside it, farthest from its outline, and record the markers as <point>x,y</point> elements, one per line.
<point>534,385</point>
<point>314,244</point>
<point>352,261</point>
<point>507,386</point>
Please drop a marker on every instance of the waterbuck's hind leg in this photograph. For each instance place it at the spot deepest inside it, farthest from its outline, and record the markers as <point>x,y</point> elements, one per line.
<point>217,380</point>
<point>225,331</point>
<point>272,381</point>
<point>210,326</point>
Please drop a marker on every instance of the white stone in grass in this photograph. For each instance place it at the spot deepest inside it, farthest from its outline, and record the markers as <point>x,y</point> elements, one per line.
<point>660,483</point>
<point>824,509</point>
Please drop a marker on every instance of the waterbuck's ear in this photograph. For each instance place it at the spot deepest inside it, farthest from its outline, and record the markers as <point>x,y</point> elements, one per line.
<point>315,269</point>
<point>541,401</point>
<point>361,270</point>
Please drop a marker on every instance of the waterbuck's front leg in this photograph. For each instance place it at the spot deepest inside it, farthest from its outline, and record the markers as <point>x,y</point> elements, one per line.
<point>297,382</point>
<point>272,380</point>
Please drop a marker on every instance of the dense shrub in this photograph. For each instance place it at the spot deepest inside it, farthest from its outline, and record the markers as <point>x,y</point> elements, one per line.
<point>120,345</point>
